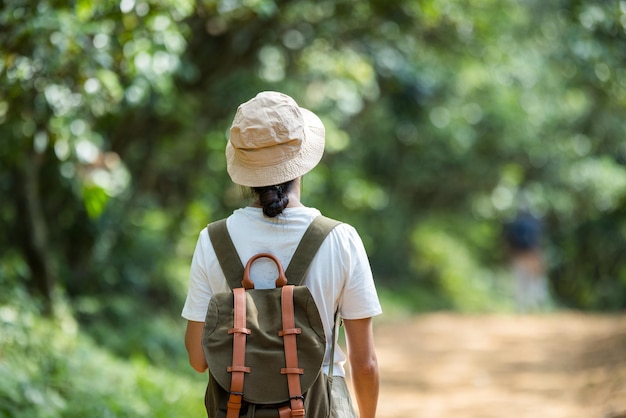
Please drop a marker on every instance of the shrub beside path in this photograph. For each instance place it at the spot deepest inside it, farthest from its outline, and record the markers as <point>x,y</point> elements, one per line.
<point>557,365</point>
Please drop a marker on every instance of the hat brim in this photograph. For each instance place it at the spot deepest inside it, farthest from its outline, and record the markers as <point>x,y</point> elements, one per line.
<point>304,161</point>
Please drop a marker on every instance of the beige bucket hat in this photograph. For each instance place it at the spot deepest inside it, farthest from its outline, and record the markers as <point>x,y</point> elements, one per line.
<point>273,140</point>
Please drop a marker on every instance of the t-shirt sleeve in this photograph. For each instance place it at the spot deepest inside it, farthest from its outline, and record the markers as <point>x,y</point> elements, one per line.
<point>199,292</point>
<point>360,299</point>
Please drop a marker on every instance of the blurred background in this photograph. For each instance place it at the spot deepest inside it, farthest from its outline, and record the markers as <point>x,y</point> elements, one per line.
<point>478,147</point>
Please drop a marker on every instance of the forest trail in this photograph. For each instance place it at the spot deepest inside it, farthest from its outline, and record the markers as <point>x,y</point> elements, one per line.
<point>557,365</point>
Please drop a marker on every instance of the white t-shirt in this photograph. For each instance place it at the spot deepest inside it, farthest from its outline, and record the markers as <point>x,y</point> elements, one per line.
<point>339,277</point>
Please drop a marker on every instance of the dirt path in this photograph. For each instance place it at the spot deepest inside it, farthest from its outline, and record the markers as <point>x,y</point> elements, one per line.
<point>563,365</point>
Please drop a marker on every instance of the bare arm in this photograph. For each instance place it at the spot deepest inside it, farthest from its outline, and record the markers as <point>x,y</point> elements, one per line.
<point>363,364</point>
<point>193,343</point>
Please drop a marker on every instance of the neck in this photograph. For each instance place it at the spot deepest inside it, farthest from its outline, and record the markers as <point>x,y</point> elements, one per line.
<point>294,195</point>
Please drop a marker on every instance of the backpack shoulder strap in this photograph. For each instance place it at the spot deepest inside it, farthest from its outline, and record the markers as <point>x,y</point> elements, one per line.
<point>299,264</point>
<point>307,248</point>
<point>226,253</point>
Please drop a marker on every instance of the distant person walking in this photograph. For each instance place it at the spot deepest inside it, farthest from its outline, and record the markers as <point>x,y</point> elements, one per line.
<point>523,236</point>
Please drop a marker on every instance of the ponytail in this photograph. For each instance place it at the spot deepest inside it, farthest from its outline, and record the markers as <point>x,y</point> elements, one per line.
<point>273,199</point>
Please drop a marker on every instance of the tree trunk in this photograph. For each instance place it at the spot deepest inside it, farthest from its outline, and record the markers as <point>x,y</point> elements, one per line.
<point>34,237</point>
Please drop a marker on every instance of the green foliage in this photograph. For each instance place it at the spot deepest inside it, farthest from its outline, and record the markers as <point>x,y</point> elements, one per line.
<point>50,369</point>
<point>445,254</point>
<point>599,285</point>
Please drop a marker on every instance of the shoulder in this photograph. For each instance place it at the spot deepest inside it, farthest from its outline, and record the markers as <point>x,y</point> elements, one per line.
<point>343,230</point>
<point>344,239</point>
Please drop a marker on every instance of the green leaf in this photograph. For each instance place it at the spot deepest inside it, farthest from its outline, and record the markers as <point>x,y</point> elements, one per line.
<point>84,10</point>
<point>95,200</point>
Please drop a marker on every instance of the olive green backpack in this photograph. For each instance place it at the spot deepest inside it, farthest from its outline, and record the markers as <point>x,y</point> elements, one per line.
<point>265,347</point>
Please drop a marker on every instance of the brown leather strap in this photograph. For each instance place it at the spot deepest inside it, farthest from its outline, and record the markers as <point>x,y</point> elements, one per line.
<point>238,368</point>
<point>248,283</point>
<point>292,370</point>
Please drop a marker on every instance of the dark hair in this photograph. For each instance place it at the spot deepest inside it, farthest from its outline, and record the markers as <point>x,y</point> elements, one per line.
<point>273,199</point>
